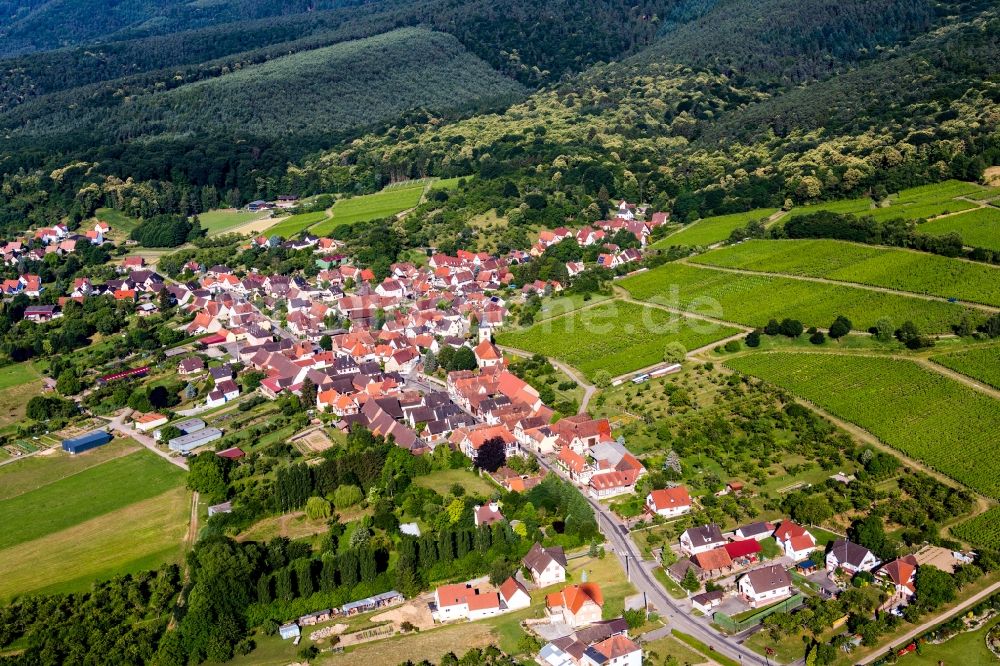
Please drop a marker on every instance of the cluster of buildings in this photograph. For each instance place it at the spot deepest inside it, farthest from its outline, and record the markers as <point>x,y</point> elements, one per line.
<point>57,239</point>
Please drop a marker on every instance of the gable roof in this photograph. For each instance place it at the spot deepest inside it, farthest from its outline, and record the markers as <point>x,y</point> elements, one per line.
<point>538,558</point>
<point>769,578</point>
<point>704,535</point>
<point>671,498</point>
<point>717,558</point>
<point>848,552</point>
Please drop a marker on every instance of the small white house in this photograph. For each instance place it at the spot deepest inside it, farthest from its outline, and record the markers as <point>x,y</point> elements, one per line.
<point>701,539</point>
<point>547,565</point>
<point>850,557</point>
<point>513,595</point>
<point>764,586</point>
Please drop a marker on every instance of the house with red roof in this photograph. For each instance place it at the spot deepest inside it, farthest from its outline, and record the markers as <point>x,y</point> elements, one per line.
<point>794,540</point>
<point>669,502</point>
<point>487,355</point>
<point>487,514</point>
<point>576,605</point>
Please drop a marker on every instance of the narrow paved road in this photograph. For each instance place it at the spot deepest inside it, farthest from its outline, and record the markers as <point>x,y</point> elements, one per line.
<point>929,624</point>
<point>641,575</point>
<point>574,374</point>
<point>118,425</point>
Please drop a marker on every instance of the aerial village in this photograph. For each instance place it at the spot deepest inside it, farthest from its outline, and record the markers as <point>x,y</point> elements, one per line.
<point>361,347</point>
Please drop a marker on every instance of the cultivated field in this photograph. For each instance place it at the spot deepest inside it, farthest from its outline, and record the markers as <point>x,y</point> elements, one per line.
<point>902,270</point>
<point>945,424</point>
<point>616,336</point>
<point>754,299</point>
<point>296,224</point>
<point>978,228</point>
<point>982,363</point>
<point>226,219</point>
<point>85,495</point>
<point>386,203</point>
<point>136,537</point>
<point>106,511</point>
<point>981,531</point>
<point>714,229</point>
<point>911,204</point>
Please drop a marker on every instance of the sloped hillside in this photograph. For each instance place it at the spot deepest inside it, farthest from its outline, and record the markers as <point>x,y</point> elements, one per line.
<point>321,92</point>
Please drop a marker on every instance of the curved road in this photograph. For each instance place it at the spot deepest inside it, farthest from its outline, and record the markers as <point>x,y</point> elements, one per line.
<point>640,574</point>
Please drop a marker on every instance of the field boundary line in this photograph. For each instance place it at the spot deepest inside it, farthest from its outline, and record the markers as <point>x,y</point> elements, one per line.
<point>867,436</point>
<point>69,476</point>
<point>856,285</point>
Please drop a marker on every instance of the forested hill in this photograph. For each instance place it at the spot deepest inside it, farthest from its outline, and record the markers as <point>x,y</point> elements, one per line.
<point>308,97</point>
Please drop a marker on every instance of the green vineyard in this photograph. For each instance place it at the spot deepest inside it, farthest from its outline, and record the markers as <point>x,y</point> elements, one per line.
<point>947,425</point>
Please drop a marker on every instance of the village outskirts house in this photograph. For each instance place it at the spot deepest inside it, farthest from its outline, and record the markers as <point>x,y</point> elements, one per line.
<point>795,540</point>
<point>576,605</point>
<point>701,539</point>
<point>765,586</point>
<point>547,565</point>
<point>850,557</point>
<point>669,502</point>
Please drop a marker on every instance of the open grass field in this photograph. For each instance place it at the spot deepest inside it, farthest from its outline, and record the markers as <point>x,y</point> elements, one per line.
<point>902,270</point>
<point>441,482</point>
<point>982,363</point>
<point>386,203</point>
<point>967,649</point>
<point>616,336</point>
<point>713,230</point>
<point>947,425</point>
<point>296,224</point>
<point>92,492</point>
<point>17,374</point>
<point>38,471</point>
<point>978,228</point>
<point>981,531</point>
<point>226,219</point>
<point>449,183</point>
<point>911,204</point>
<point>135,537</point>
<point>117,220</point>
<point>19,390</point>
<point>754,299</point>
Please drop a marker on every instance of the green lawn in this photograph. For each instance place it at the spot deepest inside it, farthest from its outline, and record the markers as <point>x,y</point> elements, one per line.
<point>713,230</point>
<point>38,471</point>
<point>967,649</point>
<point>441,482</point>
<point>117,220</point>
<point>220,221</point>
<point>754,299</point>
<point>671,647</point>
<point>902,270</point>
<point>982,363</point>
<point>843,206</point>
<point>449,183</point>
<point>296,224</point>
<point>88,494</point>
<point>616,336</point>
<point>386,203</point>
<point>136,537</point>
<point>947,425</point>
<point>978,228</point>
<point>17,374</point>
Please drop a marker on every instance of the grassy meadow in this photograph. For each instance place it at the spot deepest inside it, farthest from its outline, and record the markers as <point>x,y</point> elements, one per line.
<point>902,270</point>
<point>752,300</point>
<point>388,202</point>
<point>69,520</point>
<point>713,229</point>
<point>616,336</point>
<point>923,414</point>
<point>226,219</point>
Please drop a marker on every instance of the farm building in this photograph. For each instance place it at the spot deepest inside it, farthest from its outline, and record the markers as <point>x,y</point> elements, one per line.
<point>191,425</point>
<point>86,442</point>
<point>193,440</point>
<point>290,630</point>
<point>124,374</point>
<point>384,600</point>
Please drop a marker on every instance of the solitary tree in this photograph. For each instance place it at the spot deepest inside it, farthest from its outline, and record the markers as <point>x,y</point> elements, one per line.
<point>492,454</point>
<point>674,353</point>
<point>840,327</point>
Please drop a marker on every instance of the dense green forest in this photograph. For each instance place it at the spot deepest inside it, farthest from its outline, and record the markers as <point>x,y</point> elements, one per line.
<point>810,101</point>
<point>311,95</point>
